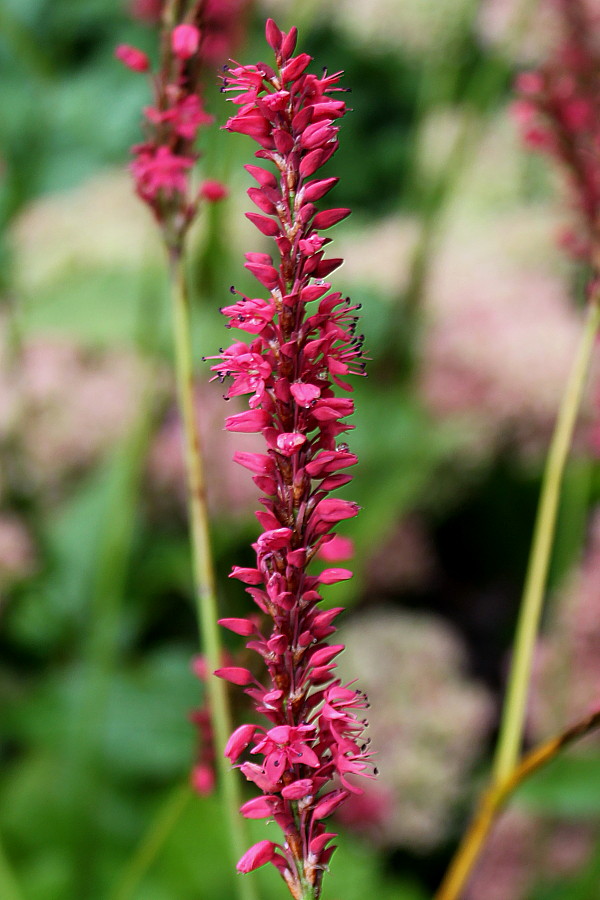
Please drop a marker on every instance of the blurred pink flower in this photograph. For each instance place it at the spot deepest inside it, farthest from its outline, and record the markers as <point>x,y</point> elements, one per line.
<point>428,722</point>
<point>230,493</point>
<point>525,850</point>
<point>501,336</point>
<point>67,404</point>
<point>17,550</point>
<point>567,672</point>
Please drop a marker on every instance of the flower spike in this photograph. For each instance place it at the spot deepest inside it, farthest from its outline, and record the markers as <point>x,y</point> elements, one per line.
<point>302,345</point>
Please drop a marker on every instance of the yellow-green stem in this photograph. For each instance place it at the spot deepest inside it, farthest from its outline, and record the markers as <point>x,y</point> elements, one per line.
<point>152,843</point>
<point>513,718</point>
<point>9,889</point>
<point>493,801</point>
<point>202,565</point>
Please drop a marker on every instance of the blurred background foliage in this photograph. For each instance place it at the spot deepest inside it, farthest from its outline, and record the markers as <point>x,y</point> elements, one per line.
<point>471,316</point>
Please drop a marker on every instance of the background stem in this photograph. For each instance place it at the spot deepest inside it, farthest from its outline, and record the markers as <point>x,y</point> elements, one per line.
<point>513,718</point>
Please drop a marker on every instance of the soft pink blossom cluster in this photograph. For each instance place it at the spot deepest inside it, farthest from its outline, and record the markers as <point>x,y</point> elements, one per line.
<point>559,114</point>
<point>63,406</point>
<point>428,720</point>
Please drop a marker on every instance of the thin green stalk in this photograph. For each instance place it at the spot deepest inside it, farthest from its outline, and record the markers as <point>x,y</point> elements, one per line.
<point>9,889</point>
<point>204,578</point>
<point>152,842</point>
<point>511,729</point>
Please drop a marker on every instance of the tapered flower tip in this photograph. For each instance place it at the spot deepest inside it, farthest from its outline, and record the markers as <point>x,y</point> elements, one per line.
<point>244,627</point>
<point>257,856</point>
<point>273,35</point>
<point>235,674</point>
<point>133,58</point>
<point>238,741</point>
<point>185,40</point>
<point>332,576</point>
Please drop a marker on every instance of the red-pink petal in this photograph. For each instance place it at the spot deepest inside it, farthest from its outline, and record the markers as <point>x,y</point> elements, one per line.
<point>257,856</point>
<point>239,626</point>
<point>235,674</point>
<point>332,576</point>
<point>133,58</point>
<point>238,741</point>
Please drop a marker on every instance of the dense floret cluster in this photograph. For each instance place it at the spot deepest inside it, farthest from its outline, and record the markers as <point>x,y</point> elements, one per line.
<point>303,343</point>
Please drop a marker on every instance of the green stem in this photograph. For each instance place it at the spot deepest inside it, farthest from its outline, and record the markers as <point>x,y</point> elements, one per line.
<point>511,729</point>
<point>152,843</point>
<point>204,578</point>
<point>9,889</point>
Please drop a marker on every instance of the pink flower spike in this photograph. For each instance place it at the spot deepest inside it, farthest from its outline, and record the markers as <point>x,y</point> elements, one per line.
<point>258,855</point>
<point>238,741</point>
<point>298,355</point>
<point>133,58</point>
<point>185,40</point>
<point>213,191</point>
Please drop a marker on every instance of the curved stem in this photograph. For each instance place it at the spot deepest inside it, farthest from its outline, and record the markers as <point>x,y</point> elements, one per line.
<point>203,571</point>
<point>494,799</point>
<point>513,718</point>
<point>152,843</point>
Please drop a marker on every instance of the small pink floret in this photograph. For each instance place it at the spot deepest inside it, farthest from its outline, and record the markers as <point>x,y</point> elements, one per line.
<point>337,549</point>
<point>238,741</point>
<point>213,190</point>
<point>257,856</point>
<point>133,58</point>
<point>185,40</point>
<point>203,780</point>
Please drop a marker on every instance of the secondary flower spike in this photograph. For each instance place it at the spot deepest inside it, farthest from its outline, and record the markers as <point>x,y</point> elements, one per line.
<point>559,114</point>
<point>163,163</point>
<point>303,344</point>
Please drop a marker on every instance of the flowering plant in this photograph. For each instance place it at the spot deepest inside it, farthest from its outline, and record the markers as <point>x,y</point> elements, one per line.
<point>162,163</point>
<point>303,343</point>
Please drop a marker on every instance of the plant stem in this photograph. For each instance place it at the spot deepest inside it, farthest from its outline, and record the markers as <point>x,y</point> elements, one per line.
<point>513,718</point>
<point>152,843</point>
<point>494,799</point>
<point>9,889</point>
<point>202,566</point>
